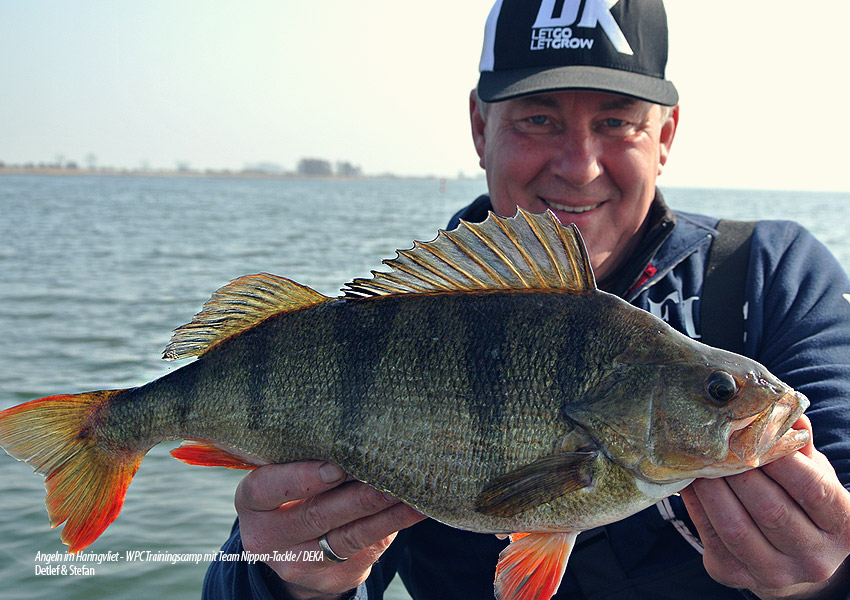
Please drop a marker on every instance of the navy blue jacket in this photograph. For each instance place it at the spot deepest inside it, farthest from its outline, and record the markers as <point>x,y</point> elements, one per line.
<point>797,325</point>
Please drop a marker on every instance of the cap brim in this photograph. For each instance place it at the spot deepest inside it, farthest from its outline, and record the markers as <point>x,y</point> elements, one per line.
<point>495,86</point>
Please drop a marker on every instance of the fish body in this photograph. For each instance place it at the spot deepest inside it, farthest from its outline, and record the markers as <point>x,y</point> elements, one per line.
<point>485,381</point>
<point>345,381</point>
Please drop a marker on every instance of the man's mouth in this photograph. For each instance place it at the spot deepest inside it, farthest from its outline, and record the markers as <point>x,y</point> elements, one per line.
<point>570,209</point>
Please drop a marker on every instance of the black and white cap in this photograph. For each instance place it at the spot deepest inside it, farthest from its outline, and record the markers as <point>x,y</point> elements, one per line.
<point>535,46</point>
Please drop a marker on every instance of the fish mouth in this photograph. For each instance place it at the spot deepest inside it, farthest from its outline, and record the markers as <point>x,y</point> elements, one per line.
<point>575,210</point>
<point>766,436</point>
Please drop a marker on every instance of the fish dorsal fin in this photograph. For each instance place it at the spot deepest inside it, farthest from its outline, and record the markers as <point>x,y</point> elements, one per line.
<point>240,304</point>
<point>526,251</point>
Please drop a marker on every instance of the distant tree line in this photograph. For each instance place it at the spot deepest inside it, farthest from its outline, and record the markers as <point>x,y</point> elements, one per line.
<point>307,167</point>
<point>319,167</point>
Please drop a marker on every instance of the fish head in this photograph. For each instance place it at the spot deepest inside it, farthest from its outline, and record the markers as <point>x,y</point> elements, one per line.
<point>670,409</point>
<point>722,416</point>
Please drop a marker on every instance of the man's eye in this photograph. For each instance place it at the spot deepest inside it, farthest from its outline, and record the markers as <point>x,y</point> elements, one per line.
<point>537,124</point>
<point>614,127</point>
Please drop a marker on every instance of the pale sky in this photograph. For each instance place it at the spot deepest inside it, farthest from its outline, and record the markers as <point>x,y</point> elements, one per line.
<point>384,84</point>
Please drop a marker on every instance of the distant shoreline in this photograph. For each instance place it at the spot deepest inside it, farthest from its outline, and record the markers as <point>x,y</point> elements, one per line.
<point>244,174</point>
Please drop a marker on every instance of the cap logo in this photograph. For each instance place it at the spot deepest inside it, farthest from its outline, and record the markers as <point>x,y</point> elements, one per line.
<point>555,32</point>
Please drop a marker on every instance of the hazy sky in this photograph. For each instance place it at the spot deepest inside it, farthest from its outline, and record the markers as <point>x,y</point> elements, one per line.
<point>384,84</point>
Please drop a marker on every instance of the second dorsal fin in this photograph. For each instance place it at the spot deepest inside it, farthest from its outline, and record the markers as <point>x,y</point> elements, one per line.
<point>526,251</point>
<point>235,307</point>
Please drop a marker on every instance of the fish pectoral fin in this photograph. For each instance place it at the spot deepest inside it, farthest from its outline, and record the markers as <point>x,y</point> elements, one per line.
<point>208,454</point>
<point>533,564</point>
<point>537,483</point>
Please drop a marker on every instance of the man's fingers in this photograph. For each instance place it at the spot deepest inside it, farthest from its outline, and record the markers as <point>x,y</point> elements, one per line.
<point>362,542</point>
<point>269,486</point>
<point>369,533</point>
<point>720,517</point>
<point>344,504</point>
<point>318,499</point>
<point>703,499</point>
<point>804,423</point>
<point>769,528</point>
<point>812,483</point>
<point>286,508</point>
<point>784,526</point>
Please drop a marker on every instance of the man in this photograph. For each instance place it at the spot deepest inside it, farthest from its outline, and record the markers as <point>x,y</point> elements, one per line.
<point>572,113</point>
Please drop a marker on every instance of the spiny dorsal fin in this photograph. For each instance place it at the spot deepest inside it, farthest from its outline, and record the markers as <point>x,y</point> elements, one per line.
<point>235,307</point>
<point>526,251</point>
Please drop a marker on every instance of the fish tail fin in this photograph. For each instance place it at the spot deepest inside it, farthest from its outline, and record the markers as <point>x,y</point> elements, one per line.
<point>86,478</point>
<point>532,566</point>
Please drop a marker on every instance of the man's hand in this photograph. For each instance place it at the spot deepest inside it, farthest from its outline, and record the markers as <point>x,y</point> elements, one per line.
<point>288,507</point>
<point>781,531</point>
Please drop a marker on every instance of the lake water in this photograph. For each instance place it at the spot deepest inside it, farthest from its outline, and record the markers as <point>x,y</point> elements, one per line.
<point>98,270</point>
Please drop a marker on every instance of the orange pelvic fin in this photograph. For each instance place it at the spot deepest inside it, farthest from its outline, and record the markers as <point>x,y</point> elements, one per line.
<point>207,454</point>
<point>532,566</point>
<point>86,478</point>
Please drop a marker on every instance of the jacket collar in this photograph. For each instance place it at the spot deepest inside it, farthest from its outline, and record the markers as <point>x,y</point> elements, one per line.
<point>691,233</point>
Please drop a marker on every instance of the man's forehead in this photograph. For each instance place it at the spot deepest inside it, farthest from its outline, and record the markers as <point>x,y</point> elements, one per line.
<point>598,100</point>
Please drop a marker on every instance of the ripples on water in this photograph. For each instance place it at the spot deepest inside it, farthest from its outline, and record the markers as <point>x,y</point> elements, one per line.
<point>97,271</point>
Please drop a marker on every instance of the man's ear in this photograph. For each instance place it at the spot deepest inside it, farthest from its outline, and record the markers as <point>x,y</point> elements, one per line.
<point>668,132</point>
<point>476,120</point>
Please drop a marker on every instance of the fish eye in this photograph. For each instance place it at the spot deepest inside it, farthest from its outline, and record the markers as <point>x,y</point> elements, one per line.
<point>721,387</point>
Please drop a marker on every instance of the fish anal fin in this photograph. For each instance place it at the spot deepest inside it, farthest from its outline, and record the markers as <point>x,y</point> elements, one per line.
<point>86,477</point>
<point>208,454</point>
<point>526,251</point>
<point>532,565</point>
<point>536,483</point>
<point>237,306</point>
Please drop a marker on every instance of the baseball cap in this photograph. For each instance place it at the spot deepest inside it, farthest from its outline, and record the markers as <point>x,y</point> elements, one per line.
<point>535,46</point>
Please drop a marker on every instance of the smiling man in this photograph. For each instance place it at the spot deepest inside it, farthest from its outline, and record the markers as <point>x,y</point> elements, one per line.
<point>582,127</point>
<point>573,113</point>
<point>590,157</point>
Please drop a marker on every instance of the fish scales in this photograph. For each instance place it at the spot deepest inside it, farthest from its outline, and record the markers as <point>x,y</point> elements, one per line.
<point>343,380</point>
<point>485,381</point>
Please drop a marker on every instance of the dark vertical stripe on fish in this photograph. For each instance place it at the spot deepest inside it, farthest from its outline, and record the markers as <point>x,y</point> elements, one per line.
<point>367,335</point>
<point>186,394</point>
<point>583,331</point>
<point>486,345</point>
<point>259,390</point>
<point>252,375</point>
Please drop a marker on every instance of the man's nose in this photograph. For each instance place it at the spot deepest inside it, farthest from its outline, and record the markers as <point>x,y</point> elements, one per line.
<point>577,158</point>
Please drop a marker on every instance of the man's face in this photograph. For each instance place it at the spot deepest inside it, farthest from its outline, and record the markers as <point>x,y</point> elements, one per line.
<point>591,157</point>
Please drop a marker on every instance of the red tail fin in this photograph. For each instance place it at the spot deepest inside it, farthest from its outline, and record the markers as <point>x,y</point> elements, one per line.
<point>86,479</point>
